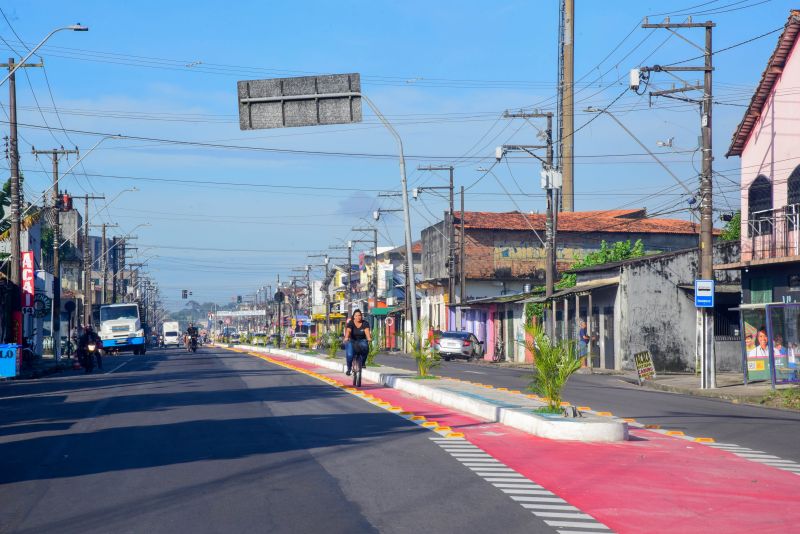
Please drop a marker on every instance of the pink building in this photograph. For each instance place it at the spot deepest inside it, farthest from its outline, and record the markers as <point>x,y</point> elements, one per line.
<point>768,143</point>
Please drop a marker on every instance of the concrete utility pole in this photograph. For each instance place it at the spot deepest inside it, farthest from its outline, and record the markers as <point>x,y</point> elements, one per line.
<point>566,93</point>
<point>104,250</point>
<point>87,259</point>
<point>705,322</point>
<point>462,271</point>
<point>16,197</point>
<point>55,154</point>
<point>375,261</point>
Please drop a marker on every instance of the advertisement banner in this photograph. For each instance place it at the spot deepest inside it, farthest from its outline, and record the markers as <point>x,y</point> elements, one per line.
<point>27,278</point>
<point>756,344</point>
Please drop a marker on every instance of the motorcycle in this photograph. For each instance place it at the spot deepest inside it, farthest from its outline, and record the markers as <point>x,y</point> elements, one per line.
<point>88,356</point>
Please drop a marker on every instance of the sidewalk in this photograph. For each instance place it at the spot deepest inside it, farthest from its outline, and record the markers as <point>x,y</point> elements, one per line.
<point>730,386</point>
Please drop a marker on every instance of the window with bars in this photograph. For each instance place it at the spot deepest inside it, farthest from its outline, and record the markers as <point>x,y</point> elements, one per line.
<point>759,202</point>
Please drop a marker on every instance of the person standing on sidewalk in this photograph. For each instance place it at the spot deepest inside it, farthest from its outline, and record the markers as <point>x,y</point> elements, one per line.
<point>583,340</point>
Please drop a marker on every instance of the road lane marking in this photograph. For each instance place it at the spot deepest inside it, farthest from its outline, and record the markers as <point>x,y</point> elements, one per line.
<point>120,365</point>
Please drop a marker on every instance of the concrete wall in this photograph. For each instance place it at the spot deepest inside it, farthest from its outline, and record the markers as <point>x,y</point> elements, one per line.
<point>658,316</point>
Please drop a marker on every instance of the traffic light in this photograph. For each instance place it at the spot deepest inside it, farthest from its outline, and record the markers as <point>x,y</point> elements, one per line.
<point>238,299</point>
<point>185,294</point>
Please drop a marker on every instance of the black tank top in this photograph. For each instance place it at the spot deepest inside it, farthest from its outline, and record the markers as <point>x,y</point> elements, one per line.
<point>357,334</point>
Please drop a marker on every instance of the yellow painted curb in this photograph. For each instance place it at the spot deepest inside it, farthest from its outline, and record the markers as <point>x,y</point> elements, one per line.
<point>454,435</point>
<point>604,414</point>
<point>584,408</point>
<point>443,429</point>
<point>418,418</point>
<point>395,409</point>
<point>406,413</point>
<point>502,389</point>
<point>653,427</point>
<point>430,424</point>
<point>564,403</point>
<point>516,392</point>
<point>704,440</point>
<point>629,420</point>
<point>674,433</point>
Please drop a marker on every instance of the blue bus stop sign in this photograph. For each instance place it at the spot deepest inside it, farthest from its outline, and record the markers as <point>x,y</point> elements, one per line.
<point>704,293</point>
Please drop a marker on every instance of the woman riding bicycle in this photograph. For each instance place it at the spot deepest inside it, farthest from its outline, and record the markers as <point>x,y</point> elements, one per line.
<point>360,335</point>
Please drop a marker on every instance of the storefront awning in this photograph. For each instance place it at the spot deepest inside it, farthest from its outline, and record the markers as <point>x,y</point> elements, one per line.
<point>382,311</point>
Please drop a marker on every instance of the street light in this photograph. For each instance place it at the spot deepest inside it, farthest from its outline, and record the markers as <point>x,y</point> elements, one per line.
<point>377,213</point>
<point>75,27</point>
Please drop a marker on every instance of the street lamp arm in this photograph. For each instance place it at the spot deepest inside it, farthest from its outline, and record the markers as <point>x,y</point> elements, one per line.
<point>74,27</point>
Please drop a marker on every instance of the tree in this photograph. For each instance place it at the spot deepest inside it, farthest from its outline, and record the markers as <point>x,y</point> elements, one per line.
<point>733,228</point>
<point>619,251</point>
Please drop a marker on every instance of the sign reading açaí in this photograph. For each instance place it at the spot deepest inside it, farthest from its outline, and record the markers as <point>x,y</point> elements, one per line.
<point>27,278</point>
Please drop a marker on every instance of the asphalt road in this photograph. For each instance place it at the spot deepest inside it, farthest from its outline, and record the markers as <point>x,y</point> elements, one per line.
<point>223,442</point>
<point>774,431</point>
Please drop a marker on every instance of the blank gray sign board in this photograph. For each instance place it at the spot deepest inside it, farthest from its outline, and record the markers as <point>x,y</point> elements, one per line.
<point>299,101</point>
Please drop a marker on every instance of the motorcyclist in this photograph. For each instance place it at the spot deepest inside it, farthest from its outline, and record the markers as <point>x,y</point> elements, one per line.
<point>89,336</point>
<point>191,334</point>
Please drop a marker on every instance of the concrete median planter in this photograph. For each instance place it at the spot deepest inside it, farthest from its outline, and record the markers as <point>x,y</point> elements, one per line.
<point>514,410</point>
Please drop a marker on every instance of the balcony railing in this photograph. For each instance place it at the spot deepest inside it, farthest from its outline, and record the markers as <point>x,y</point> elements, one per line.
<point>773,233</point>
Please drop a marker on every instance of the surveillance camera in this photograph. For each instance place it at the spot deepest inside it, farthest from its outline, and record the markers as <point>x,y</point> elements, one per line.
<point>498,153</point>
<point>376,215</point>
<point>634,79</point>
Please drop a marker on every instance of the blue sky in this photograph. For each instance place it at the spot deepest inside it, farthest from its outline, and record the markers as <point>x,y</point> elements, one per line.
<point>224,221</point>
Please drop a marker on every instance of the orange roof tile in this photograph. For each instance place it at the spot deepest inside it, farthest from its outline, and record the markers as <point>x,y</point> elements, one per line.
<point>616,221</point>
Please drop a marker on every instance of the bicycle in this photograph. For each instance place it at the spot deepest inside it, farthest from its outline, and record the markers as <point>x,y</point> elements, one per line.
<point>499,351</point>
<point>356,370</point>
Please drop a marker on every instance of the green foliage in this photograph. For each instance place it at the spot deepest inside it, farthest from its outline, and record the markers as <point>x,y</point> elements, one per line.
<point>312,341</point>
<point>533,309</point>
<point>421,349</point>
<point>287,341</point>
<point>621,250</point>
<point>5,201</point>
<point>334,344</point>
<point>554,362</point>
<point>374,348</point>
<point>733,228</point>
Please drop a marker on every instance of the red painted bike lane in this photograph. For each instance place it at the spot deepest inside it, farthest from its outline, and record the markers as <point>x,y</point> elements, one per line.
<point>653,483</point>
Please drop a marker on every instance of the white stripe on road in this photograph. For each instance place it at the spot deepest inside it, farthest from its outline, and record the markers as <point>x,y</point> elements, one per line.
<point>563,515</point>
<point>575,524</point>
<point>564,507</point>
<point>120,365</point>
<point>536,499</point>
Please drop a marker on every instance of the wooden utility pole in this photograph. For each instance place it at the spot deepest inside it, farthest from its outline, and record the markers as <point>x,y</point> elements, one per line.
<point>55,154</point>
<point>566,89</point>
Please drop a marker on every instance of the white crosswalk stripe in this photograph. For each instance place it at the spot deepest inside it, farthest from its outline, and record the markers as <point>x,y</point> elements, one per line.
<point>540,502</point>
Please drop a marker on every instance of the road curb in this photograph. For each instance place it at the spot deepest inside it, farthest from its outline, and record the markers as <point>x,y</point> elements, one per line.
<point>709,394</point>
<point>590,428</point>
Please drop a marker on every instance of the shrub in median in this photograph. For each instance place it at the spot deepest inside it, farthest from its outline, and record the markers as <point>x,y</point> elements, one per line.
<point>421,349</point>
<point>554,362</point>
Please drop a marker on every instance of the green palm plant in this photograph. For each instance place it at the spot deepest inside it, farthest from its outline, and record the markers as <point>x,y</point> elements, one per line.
<point>554,362</point>
<point>334,344</point>
<point>425,357</point>
<point>374,348</point>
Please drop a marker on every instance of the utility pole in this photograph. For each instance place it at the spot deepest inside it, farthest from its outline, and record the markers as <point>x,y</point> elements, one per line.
<point>349,248</point>
<point>16,197</point>
<point>87,260</point>
<point>462,271</point>
<point>375,262</point>
<point>104,250</point>
<point>451,235</point>
<point>566,101</point>
<point>550,185</point>
<point>705,323</point>
<point>55,154</point>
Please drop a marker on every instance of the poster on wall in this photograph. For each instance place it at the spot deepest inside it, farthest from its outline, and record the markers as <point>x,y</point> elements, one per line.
<point>783,326</point>
<point>756,344</point>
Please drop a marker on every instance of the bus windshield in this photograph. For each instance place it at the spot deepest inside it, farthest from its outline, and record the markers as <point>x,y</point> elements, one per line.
<point>112,313</point>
